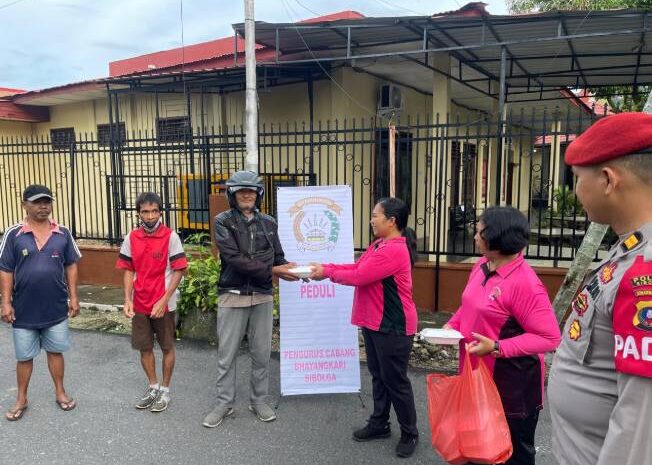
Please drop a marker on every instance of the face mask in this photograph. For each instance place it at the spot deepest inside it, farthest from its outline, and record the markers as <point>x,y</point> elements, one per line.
<point>150,226</point>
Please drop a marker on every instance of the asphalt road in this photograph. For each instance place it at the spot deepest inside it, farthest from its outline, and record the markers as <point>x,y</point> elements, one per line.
<point>105,377</point>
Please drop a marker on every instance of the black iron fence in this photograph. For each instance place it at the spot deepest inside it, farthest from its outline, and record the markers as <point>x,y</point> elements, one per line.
<point>447,169</point>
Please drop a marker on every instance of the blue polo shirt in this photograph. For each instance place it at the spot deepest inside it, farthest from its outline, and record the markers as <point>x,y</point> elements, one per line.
<point>40,297</point>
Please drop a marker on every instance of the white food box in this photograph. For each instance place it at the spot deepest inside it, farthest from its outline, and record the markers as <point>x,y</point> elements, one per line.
<point>441,336</point>
<point>302,271</point>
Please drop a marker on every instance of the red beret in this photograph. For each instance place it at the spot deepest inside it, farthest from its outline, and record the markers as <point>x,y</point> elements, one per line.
<point>611,137</point>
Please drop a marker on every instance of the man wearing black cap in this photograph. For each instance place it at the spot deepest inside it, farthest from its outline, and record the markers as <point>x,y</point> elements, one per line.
<point>38,278</point>
<point>600,385</point>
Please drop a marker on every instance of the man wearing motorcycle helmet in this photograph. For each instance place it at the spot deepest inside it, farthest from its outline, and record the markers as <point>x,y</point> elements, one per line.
<point>250,255</point>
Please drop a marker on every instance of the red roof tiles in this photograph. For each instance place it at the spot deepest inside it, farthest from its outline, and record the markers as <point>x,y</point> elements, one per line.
<point>212,54</point>
<point>13,112</point>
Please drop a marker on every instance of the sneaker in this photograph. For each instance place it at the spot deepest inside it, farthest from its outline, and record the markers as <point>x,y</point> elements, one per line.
<point>161,402</point>
<point>263,411</point>
<point>368,433</point>
<point>407,444</point>
<point>216,416</point>
<point>148,398</point>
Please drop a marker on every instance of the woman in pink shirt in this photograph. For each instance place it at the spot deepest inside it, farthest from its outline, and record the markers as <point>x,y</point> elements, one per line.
<point>383,307</point>
<point>506,313</point>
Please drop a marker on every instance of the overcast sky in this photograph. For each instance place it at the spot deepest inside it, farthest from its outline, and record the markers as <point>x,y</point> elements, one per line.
<point>44,43</point>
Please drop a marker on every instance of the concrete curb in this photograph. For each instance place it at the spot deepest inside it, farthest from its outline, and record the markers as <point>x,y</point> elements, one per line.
<point>100,307</point>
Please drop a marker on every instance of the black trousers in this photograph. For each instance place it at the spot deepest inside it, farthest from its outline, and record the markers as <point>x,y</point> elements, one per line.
<point>522,431</point>
<point>387,360</point>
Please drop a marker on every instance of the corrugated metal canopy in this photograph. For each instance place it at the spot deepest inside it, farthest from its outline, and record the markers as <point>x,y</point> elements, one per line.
<point>544,51</point>
<point>215,80</point>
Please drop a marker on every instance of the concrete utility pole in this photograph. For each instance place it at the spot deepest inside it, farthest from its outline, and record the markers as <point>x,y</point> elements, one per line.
<point>251,109</point>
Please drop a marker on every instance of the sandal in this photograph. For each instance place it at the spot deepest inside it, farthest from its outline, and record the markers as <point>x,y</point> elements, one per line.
<point>16,413</point>
<point>66,405</point>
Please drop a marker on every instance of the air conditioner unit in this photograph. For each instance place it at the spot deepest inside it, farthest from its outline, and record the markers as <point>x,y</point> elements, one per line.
<point>390,100</point>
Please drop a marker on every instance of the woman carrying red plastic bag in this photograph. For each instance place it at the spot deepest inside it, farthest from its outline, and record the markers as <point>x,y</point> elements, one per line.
<point>506,313</point>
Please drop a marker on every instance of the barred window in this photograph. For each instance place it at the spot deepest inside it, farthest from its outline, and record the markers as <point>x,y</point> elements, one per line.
<point>175,129</point>
<point>62,138</point>
<point>104,134</point>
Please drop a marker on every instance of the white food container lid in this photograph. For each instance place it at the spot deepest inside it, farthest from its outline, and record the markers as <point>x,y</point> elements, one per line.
<point>441,336</point>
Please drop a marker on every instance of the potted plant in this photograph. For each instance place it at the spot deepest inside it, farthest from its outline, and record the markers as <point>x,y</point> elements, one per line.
<point>567,205</point>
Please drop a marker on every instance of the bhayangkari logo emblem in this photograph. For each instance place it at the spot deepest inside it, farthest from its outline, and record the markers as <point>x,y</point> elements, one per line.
<point>316,223</point>
<point>643,316</point>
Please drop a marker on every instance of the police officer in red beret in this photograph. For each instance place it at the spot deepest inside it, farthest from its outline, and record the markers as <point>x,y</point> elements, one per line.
<point>600,385</point>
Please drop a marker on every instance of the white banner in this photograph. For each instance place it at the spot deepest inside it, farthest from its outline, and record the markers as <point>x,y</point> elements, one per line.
<point>319,345</point>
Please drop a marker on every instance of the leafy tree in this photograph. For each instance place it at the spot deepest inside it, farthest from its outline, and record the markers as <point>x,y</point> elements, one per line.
<point>528,6</point>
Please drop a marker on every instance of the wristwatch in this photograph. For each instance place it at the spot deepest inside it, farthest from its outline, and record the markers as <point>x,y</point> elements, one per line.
<point>496,351</point>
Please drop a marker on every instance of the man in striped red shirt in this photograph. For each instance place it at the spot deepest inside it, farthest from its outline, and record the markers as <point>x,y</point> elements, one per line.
<point>154,263</point>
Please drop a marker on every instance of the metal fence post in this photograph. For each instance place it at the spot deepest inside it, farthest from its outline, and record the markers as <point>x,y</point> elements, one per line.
<point>73,190</point>
<point>501,130</point>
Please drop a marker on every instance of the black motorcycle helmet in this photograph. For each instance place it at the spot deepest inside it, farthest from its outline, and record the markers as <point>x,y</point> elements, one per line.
<point>244,180</point>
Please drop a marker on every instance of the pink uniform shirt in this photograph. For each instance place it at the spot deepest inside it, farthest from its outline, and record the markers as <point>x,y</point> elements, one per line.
<point>383,287</point>
<point>510,305</point>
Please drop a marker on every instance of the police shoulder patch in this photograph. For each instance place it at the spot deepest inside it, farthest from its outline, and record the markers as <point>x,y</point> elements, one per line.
<point>632,241</point>
<point>632,320</point>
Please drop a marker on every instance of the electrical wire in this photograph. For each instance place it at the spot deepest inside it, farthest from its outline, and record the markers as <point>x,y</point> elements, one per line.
<point>577,29</point>
<point>302,5</point>
<point>398,7</point>
<point>287,8</point>
<point>7,5</point>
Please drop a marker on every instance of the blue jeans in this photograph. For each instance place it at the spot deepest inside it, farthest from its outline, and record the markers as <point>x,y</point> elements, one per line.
<point>29,342</point>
